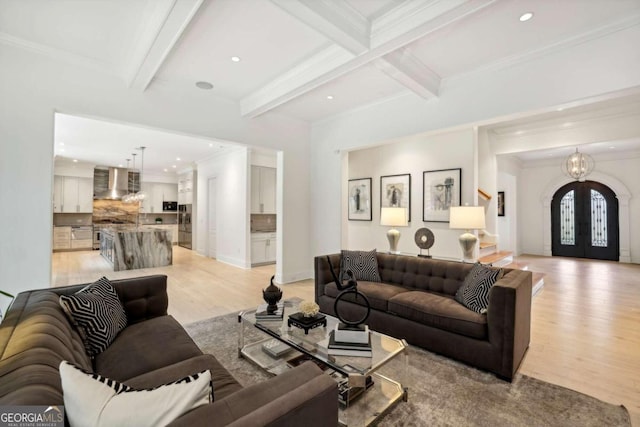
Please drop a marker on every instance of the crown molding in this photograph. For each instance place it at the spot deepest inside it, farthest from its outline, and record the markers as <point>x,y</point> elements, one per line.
<point>58,54</point>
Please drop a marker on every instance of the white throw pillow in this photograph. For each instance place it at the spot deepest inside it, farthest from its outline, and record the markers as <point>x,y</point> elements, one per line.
<point>93,400</point>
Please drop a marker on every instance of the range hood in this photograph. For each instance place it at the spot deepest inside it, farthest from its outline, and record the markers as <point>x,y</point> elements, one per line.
<point>110,183</point>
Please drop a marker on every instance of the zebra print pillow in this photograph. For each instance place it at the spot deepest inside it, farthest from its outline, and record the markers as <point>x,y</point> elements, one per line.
<point>93,400</point>
<point>97,313</point>
<point>474,292</point>
<point>364,265</point>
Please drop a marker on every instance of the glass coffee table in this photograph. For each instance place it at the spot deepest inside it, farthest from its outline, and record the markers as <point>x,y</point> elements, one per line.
<point>369,386</point>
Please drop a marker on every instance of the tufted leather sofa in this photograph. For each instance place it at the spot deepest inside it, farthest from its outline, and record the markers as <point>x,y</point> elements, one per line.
<point>153,349</point>
<point>415,301</point>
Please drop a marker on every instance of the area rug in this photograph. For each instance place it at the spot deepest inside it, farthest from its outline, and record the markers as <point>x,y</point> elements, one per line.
<point>442,392</point>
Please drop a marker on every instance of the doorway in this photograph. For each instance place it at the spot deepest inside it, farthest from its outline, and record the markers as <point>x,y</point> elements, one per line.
<point>584,221</point>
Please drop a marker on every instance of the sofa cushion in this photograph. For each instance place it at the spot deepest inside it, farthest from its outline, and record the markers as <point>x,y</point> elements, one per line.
<point>474,292</point>
<point>97,313</point>
<point>224,383</point>
<point>94,400</point>
<point>363,264</point>
<point>144,347</point>
<point>377,293</point>
<point>439,311</point>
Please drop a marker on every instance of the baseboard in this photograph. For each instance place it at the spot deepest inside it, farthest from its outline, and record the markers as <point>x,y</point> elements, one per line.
<point>294,277</point>
<point>236,262</point>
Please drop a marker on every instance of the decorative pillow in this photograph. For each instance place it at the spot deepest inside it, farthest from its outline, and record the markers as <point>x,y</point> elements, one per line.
<point>364,265</point>
<point>97,313</point>
<point>93,400</point>
<point>474,292</point>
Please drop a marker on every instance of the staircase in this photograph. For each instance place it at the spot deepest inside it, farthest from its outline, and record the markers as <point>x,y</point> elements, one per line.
<point>489,254</point>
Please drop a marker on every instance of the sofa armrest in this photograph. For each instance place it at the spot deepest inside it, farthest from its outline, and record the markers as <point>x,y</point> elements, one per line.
<point>323,273</point>
<point>303,396</point>
<point>509,318</point>
<point>143,297</point>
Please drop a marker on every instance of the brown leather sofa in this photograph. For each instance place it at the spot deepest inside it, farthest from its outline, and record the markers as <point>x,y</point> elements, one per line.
<point>415,301</point>
<point>153,349</point>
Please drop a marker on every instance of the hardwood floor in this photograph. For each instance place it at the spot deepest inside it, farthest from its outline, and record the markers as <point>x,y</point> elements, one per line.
<point>585,332</point>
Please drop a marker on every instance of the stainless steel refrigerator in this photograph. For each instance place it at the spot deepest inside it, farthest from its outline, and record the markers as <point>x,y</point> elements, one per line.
<point>184,226</point>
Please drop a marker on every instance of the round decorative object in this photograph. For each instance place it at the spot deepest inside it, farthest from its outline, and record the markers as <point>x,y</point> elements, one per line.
<point>272,295</point>
<point>424,238</point>
<point>308,308</point>
<point>353,290</point>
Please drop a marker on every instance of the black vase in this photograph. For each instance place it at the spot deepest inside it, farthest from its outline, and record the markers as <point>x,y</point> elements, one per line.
<point>272,295</point>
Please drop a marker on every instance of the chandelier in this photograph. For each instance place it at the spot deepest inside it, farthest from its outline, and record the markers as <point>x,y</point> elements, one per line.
<point>578,165</point>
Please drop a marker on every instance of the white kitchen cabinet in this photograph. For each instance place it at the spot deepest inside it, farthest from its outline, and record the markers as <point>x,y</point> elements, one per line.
<point>263,190</point>
<point>157,193</point>
<point>263,248</point>
<point>185,188</point>
<point>72,194</point>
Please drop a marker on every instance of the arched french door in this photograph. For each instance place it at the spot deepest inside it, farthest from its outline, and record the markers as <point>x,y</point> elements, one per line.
<point>584,221</point>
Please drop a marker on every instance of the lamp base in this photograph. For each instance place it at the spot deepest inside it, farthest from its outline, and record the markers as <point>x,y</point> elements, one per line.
<point>393,236</point>
<point>468,244</point>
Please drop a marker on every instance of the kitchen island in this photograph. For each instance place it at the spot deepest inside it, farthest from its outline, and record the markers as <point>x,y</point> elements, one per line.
<point>131,248</point>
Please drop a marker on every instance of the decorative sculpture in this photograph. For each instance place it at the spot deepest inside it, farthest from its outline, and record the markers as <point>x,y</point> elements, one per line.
<point>351,287</point>
<point>272,294</point>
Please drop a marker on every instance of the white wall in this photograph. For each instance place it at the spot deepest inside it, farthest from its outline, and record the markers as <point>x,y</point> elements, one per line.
<point>413,156</point>
<point>508,225</point>
<point>33,88</point>
<point>592,68</point>
<point>535,179</point>
<point>232,211</point>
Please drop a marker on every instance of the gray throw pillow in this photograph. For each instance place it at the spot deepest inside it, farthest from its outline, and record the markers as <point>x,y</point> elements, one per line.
<point>474,292</point>
<point>97,313</point>
<point>363,264</point>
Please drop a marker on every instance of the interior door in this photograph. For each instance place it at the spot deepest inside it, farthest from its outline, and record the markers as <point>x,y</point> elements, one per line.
<point>212,219</point>
<point>585,221</point>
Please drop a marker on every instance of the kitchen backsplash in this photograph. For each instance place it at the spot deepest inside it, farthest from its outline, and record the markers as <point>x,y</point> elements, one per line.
<point>167,218</point>
<point>263,222</point>
<point>73,219</point>
<point>106,211</point>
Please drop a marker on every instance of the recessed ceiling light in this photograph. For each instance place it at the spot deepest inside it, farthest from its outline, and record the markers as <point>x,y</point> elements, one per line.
<point>235,58</point>
<point>211,144</point>
<point>174,166</point>
<point>526,16</point>
<point>204,85</point>
<point>166,170</point>
<point>329,96</point>
<point>178,158</point>
<point>120,165</point>
<point>75,160</point>
<point>612,147</point>
<point>559,109</point>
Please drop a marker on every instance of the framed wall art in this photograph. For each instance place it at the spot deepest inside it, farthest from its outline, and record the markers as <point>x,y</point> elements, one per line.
<point>442,189</point>
<point>500,203</point>
<point>360,199</point>
<point>395,192</point>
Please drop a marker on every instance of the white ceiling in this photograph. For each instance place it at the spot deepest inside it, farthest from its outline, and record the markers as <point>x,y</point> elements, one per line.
<point>295,53</point>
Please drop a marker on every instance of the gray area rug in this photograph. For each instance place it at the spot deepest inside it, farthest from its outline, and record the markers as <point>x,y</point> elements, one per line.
<point>443,392</point>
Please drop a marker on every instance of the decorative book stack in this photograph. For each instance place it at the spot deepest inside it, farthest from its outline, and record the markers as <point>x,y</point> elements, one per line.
<point>262,314</point>
<point>360,346</point>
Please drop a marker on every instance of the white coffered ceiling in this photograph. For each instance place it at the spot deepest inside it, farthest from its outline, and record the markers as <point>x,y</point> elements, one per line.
<point>295,53</point>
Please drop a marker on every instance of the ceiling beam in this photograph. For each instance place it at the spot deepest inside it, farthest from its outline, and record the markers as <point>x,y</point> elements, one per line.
<point>397,28</point>
<point>167,20</point>
<point>335,19</point>
<point>405,68</point>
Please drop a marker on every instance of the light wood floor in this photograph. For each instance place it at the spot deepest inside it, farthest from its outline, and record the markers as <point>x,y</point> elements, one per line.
<point>585,332</point>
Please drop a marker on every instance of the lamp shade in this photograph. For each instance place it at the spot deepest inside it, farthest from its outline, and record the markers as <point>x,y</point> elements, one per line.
<point>393,217</point>
<point>466,217</point>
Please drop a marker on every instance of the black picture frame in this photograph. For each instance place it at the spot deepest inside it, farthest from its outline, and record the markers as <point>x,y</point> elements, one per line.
<point>441,189</point>
<point>359,199</point>
<point>395,191</point>
<point>500,203</point>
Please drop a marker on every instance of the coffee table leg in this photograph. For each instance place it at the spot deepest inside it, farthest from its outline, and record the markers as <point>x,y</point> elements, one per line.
<point>405,374</point>
<point>240,335</point>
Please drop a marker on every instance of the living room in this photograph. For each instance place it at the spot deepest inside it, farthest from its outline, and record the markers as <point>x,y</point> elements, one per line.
<point>594,60</point>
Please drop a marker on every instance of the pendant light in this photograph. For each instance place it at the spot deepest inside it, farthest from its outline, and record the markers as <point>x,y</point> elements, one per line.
<point>141,195</point>
<point>130,197</point>
<point>578,165</point>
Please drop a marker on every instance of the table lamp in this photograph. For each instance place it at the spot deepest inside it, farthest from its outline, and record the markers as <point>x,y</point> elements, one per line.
<point>467,218</point>
<point>393,217</point>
